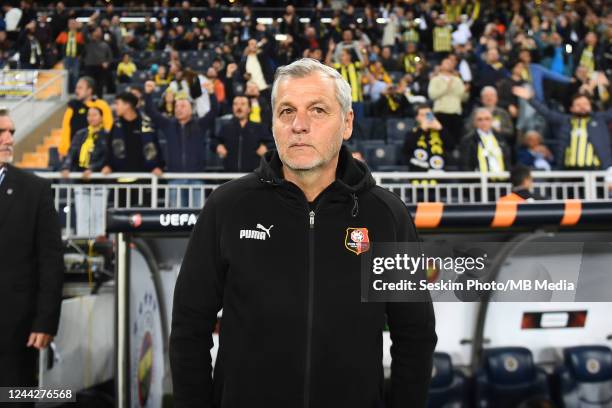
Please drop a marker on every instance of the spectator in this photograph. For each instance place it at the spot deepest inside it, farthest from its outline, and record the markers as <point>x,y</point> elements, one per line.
<point>6,47</point>
<point>42,32</point>
<point>186,139</point>
<point>535,74</point>
<point>442,37</point>
<point>584,138</point>
<point>241,143</point>
<point>482,149</point>
<point>596,86</point>
<point>134,144</point>
<point>88,148</point>
<point>490,69</point>
<point>533,153</point>
<point>351,72</point>
<point>502,121</point>
<point>166,106</point>
<point>28,13</point>
<point>126,69</point>
<point>30,51</point>
<point>138,92</point>
<point>387,60</point>
<point>12,16</point>
<point>162,78</point>
<point>393,103</point>
<point>75,117</point>
<point>70,43</point>
<point>261,110</point>
<point>186,83</point>
<point>423,148</point>
<point>348,43</point>
<point>411,58</point>
<point>522,186</point>
<point>507,99</point>
<point>59,19</point>
<point>97,60</point>
<point>590,54</point>
<point>254,65</point>
<point>218,88</point>
<point>461,62</point>
<point>447,91</point>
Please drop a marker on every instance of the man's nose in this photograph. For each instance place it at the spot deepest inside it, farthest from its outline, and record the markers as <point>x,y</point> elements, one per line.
<point>301,122</point>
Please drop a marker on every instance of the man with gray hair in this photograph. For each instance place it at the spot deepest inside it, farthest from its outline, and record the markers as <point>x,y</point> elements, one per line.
<point>482,149</point>
<point>280,251</point>
<point>502,121</point>
<point>32,267</point>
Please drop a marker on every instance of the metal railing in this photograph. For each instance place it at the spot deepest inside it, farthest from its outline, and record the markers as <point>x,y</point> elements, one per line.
<point>82,205</point>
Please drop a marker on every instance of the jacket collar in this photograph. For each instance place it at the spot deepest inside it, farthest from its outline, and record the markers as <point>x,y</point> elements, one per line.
<point>352,178</point>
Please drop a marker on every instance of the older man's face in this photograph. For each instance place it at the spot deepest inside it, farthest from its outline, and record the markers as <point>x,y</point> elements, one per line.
<point>308,125</point>
<point>7,128</point>
<point>483,121</point>
<point>489,98</point>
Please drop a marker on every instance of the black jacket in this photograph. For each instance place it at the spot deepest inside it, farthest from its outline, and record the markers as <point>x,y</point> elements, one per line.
<point>468,151</point>
<point>241,144</point>
<point>32,269</point>
<point>98,157</point>
<point>186,145</point>
<point>294,328</point>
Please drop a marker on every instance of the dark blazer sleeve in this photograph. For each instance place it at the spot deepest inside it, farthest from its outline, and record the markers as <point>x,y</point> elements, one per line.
<point>412,328</point>
<point>50,264</point>
<point>467,154</point>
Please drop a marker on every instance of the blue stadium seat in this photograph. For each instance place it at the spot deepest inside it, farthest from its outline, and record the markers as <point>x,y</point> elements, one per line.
<point>508,378</point>
<point>122,88</point>
<point>585,379</point>
<point>448,386</point>
<point>379,129</point>
<point>140,77</point>
<point>398,128</point>
<point>379,154</point>
<point>362,129</point>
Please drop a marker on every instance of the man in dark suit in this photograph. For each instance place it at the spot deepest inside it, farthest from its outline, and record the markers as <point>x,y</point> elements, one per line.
<point>483,149</point>
<point>31,270</point>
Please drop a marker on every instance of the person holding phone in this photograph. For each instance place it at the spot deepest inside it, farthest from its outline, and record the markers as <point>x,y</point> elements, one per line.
<point>424,147</point>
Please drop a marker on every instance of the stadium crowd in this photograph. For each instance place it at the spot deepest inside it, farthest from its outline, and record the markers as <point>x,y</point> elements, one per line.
<point>436,85</point>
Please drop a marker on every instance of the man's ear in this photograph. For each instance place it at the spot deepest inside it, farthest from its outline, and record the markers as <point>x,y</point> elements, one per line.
<point>348,125</point>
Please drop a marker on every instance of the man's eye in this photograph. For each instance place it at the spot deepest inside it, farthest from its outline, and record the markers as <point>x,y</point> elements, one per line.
<point>285,111</point>
<point>319,110</point>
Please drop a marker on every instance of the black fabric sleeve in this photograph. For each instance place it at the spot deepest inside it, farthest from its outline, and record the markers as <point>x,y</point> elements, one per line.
<point>198,297</point>
<point>413,335</point>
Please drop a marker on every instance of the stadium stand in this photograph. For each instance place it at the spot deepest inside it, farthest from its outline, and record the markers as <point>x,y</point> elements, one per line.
<point>537,55</point>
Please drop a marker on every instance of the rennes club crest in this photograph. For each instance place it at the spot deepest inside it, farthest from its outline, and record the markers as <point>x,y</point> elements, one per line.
<point>357,240</point>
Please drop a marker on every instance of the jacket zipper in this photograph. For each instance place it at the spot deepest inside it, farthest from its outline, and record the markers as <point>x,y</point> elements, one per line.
<point>310,308</point>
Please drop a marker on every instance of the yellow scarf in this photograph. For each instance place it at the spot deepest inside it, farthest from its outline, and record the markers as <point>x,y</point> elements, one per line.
<point>88,145</point>
<point>255,115</point>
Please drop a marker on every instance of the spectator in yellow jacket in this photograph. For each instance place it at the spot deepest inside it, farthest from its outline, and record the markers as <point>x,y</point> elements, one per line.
<point>75,117</point>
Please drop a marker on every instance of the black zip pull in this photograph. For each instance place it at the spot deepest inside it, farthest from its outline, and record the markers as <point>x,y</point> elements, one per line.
<point>355,209</point>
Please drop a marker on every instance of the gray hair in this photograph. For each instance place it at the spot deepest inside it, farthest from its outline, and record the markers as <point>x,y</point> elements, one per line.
<point>308,66</point>
<point>488,88</point>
